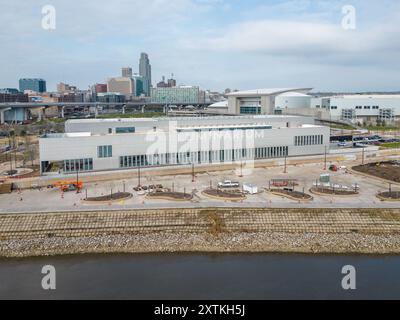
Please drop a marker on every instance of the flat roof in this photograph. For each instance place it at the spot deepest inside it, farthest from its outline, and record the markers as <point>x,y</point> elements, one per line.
<point>365,96</point>
<point>182,119</point>
<point>266,92</point>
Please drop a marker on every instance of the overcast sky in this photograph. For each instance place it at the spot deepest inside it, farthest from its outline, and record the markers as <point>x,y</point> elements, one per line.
<point>216,44</point>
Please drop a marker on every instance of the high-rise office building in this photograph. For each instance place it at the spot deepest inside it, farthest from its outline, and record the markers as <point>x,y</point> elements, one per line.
<point>145,72</point>
<point>127,72</point>
<point>37,85</point>
<point>123,85</point>
<point>138,81</point>
<point>176,95</point>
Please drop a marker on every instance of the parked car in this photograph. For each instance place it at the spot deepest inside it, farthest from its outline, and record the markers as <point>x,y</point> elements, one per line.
<point>342,144</point>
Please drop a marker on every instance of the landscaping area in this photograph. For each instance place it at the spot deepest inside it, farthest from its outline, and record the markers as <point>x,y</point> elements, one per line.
<point>296,195</point>
<point>382,128</point>
<point>389,170</point>
<point>170,195</point>
<point>333,191</point>
<point>389,196</point>
<point>224,194</point>
<point>131,115</point>
<point>390,145</point>
<point>111,197</point>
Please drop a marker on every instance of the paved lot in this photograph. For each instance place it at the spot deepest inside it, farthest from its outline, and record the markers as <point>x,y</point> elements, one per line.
<point>52,199</point>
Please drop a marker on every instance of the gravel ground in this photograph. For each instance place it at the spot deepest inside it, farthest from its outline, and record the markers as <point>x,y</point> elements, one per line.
<point>205,242</point>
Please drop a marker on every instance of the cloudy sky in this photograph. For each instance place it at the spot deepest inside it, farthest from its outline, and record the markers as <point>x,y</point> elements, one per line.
<point>216,44</point>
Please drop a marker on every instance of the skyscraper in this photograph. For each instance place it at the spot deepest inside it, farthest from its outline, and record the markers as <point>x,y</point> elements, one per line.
<point>37,85</point>
<point>145,72</point>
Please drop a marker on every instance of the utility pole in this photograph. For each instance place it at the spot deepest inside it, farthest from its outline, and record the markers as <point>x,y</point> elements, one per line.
<point>77,180</point>
<point>139,176</point>
<point>11,167</point>
<point>15,158</point>
<point>241,169</point>
<point>363,156</point>
<point>285,168</point>
<point>325,159</point>
<point>192,172</point>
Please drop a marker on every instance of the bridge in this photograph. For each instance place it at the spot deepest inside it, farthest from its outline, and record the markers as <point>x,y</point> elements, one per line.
<point>21,108</point>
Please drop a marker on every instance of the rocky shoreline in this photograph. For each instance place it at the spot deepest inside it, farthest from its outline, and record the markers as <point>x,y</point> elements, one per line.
<point>235,242</point>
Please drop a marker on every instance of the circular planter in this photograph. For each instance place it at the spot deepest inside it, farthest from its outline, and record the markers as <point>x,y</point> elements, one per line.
<point>171,196</point>
<point>330,192</point>
<point>386,196</point>
<point>108,198</point>
<point>295,195</point>
<point>223,195</point>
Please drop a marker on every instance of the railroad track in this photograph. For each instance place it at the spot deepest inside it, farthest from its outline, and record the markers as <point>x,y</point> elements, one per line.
<point>82,224</point>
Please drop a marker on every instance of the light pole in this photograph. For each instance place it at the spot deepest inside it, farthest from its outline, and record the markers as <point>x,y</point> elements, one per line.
<point>285,168</point>
<point>363,155</point>
<point>139,175</point>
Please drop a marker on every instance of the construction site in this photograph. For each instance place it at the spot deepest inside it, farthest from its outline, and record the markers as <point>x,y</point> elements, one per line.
<point>312,203</point>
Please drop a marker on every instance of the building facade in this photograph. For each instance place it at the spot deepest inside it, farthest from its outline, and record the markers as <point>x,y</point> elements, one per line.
<point>100,87</point>
<point>145,72</point>
<point>13,97</point>
<point>64,87</point>
<point>139,85</point>
<point>37,85</point>
<point>123,85</point>
<point>360,108</point>
<point>261,101</point>
<point>110,97</point>
<point>9,90</point>
<point>176,95</point>
<point>116,144</point>
<point>127,72</point>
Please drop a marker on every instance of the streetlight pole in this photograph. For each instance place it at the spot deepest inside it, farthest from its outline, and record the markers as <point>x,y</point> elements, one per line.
<point>139,176</point>
<point>192,172</point>
<point>363,156</point>
<point>325,159</point>
<point>285,168</point>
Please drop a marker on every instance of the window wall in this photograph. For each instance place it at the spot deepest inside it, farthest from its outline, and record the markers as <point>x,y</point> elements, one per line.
<point>309,140</point>
<point>199,157</point>
<point>104,151</point>
<point>78,165</point>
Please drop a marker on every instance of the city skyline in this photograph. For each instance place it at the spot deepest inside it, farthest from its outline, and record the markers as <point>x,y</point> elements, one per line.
<point>253,45</point>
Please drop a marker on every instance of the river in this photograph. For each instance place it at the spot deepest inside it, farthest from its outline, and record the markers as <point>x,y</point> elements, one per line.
<point>201,276</point>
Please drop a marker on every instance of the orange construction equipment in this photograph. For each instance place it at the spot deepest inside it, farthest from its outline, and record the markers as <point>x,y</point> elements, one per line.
<point>69,185</point>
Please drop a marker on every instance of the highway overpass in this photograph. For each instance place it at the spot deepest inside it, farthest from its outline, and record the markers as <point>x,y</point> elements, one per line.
<point>15,112</point>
